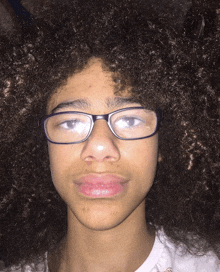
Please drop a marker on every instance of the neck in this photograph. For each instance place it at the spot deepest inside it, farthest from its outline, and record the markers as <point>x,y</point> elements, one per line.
<point>122,248</point>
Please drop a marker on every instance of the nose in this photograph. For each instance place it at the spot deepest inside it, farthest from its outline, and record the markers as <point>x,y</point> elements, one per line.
<point>101,145</point>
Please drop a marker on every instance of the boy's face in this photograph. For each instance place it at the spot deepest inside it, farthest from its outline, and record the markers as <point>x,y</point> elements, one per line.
<point>103,180</point>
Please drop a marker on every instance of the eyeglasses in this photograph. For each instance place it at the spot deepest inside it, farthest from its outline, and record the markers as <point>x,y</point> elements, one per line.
<point>72,127</point>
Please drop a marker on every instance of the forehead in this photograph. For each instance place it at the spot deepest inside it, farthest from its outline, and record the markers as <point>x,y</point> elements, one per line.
<point>93,77</point>
<point>91,87</point>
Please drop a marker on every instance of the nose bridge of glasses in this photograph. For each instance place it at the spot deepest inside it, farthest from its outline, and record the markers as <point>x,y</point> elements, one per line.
<point>100,117</point>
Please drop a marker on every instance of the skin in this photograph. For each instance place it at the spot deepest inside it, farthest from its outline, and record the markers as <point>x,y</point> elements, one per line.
<point>104,234</point>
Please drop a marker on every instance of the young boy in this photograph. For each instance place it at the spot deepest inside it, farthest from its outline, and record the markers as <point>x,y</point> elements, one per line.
<point>102,96</point>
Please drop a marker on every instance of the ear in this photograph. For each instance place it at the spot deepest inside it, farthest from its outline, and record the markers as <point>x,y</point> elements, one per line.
<point>159,158</point>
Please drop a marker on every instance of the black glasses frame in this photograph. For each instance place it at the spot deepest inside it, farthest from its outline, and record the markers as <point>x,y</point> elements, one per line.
<point>105,117</point>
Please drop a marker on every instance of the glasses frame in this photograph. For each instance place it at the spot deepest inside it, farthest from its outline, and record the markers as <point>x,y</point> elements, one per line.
<point>105,117</point>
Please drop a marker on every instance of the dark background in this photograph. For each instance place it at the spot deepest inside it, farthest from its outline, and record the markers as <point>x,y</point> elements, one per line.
<point>198,18</point>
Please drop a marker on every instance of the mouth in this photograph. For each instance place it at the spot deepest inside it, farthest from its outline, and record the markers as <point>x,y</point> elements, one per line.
<point>101,186</point>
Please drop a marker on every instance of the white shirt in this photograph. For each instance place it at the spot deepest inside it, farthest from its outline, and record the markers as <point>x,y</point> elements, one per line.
<point>164,257</point>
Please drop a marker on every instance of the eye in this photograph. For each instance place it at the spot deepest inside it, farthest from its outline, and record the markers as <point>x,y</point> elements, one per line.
<point>74,125</point>
<point>127,122</point>
<point>69,124</point>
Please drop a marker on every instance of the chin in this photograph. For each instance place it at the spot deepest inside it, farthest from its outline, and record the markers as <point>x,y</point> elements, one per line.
<point>102,225</point>
<point>98,218</point>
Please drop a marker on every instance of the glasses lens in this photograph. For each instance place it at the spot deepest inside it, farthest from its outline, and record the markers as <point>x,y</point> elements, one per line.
<point>134,123</point>
<point>67,127</point>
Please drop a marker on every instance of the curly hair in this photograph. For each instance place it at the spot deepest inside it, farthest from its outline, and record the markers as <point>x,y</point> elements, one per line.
<point>164,72</point>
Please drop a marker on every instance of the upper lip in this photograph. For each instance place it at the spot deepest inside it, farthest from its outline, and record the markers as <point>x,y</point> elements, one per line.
<point>101,179</point>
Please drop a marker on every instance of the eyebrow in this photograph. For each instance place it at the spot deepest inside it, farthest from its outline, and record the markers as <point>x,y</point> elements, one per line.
<point>119,101</point>
<point>85,104</point>
<point>78,103</point>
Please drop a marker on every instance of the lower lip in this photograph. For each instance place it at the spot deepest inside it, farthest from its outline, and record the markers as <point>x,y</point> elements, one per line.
<point>98,187</point>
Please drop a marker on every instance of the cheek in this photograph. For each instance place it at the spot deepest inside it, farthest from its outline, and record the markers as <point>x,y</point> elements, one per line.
<point>61,159</point>
<point>56,166</point>
<point>63,164</point>
<point>143,158</point>
<point>56,156</point>
<point>148,155</point>
<point>142,152</point>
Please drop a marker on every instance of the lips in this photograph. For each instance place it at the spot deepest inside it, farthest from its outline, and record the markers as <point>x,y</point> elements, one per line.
<point>101,186</point>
